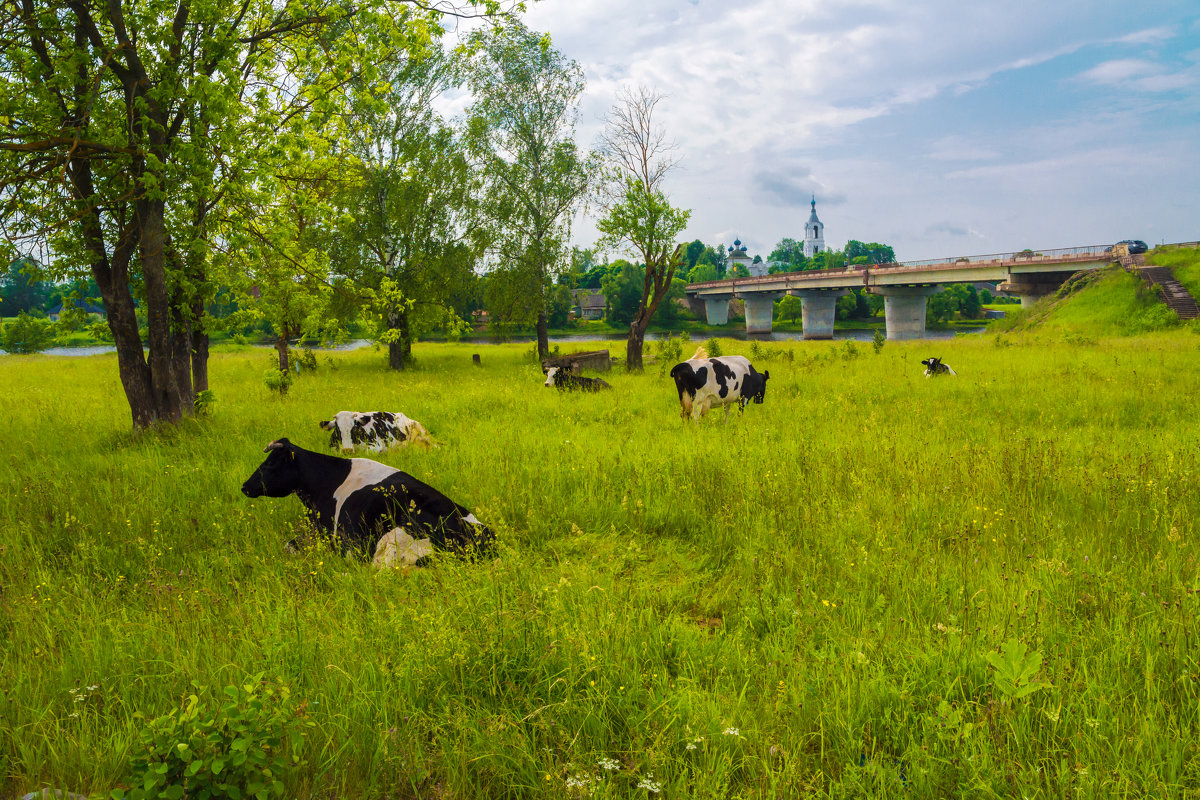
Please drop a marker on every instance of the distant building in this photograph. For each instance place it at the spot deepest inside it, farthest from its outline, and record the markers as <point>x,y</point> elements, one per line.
<point>739,257</point>
<point>591,304</point>
<point>814,233</point>
<point>86,306</point>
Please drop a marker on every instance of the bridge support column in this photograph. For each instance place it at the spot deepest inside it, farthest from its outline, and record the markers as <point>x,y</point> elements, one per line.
<point>904,309</point>
<point>1028,291</point>
<point>760,310</point>
<point>717,310</point>
<point>818,309</point>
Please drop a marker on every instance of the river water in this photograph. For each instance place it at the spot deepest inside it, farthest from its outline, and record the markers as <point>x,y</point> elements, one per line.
<point>781,336</point>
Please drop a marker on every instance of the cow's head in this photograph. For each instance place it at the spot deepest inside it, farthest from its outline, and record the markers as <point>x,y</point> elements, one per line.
<point>550,373</point>
<point>278,475</point>
<point>348,429</point>
<point>756,386</point>
<point>932,363</point>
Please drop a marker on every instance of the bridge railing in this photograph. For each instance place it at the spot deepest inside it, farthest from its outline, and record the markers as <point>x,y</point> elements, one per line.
<point>1016,255</point>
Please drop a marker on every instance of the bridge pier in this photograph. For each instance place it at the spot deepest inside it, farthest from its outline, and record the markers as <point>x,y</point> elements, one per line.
<point>904,309</point>
<point>818,309</point>
<point>760,311</point>
<point>1028,291</point>
<point>717,309</point>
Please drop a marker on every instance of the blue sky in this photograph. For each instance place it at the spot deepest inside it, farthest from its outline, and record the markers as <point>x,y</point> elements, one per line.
<point>941,128</point>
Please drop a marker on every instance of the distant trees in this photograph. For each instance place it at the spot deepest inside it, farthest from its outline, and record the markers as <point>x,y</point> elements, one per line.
<point>21,290</point>
<point>857,252</point>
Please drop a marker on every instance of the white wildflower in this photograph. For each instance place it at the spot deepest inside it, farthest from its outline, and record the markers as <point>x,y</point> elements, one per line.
<point>649,784</point>
<point>731,732</point>
<point>608,764</point>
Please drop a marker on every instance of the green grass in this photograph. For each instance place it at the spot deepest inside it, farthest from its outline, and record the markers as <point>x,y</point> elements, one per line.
<point>800,601</point>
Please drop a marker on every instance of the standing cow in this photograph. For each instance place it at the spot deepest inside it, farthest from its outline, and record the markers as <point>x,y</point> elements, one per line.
<point>356,500</point>
<point>707,382</point>
<point>373,430</point>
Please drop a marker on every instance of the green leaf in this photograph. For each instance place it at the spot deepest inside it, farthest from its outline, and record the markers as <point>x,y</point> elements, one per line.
<point>173,792</point>
<point>217,766</point>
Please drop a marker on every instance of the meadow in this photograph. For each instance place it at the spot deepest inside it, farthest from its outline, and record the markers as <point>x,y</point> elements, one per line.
<point>872,585</point>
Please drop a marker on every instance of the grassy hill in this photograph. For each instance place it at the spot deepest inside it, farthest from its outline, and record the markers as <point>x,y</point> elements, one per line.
<point>1109,302</point>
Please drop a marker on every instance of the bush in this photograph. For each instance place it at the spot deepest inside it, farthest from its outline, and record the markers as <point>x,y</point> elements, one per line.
<point>849,350</point>
<point>878,340</point>
<point>713,348</point>
<point>100,331</point>
<point>243,749</point>
<point>277,380</point>
<point>670,350</point>
<point>28,334</point>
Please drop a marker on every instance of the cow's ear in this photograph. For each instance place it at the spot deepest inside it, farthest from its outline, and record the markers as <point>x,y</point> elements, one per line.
<point>766,374</point>
<point>278,444</point>
<point>326,424</point>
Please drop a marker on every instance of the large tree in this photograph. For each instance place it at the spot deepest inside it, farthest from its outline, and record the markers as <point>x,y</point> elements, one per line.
<point>523,124</point>
<point>415,234</point>
<point>636,210</point>
<point>115,121</point>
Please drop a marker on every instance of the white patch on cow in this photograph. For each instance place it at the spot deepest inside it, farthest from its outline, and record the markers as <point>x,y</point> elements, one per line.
<point>471,519</point>
<point>396,547</point>
<point>550,376</point>
<point>363,473</point>
<point>343,422</point>
<point>709,395</point>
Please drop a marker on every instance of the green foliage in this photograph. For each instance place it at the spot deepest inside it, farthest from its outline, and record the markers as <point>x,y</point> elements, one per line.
<point>1016,669</point>
<point>27,334</point>
<point>206,399</point>
<point>790,308</point>
<point>713,347</point>
<point>670,351</point>
<point>277,380</point>
<point>849,350</point>
<point>878,340</point>
<point>243,749</point>
<point>857,252</point>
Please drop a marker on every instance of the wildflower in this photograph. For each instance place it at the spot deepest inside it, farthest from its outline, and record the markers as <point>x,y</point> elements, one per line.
<point>649,784</point>
<point>608,764</point>
<point>731,732</point>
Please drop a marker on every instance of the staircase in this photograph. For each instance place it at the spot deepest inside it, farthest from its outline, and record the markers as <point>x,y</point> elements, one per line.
<point>1173,293</point>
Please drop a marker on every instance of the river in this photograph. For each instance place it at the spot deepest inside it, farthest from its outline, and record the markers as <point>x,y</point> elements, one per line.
<point>781,336</point>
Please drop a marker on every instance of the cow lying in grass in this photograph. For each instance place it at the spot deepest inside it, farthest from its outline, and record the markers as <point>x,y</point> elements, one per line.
<point>706,382</point>
<point>374,430</point>
<point>934,366</point>
<point>360,503</point>
<point>562,379</point>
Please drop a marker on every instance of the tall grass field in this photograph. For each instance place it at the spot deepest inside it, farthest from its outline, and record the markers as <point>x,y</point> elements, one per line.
<point>872,585</point>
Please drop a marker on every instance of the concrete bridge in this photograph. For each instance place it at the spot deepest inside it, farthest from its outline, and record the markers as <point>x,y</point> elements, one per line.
<point>904,287</point>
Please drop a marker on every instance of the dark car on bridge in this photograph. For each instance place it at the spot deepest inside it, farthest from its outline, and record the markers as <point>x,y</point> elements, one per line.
<point>1135,246</point>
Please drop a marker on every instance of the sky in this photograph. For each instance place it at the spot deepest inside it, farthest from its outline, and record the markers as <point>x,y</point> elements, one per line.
<point>940,127</point>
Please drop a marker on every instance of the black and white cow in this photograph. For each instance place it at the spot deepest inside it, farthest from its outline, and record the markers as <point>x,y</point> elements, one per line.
<point>373,430</point>
<point>561,378</point>
<point>707,382</point>
<point>934,366</point>
<point>357,501</point>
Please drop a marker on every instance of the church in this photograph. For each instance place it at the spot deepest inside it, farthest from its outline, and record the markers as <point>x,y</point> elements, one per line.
<point>814,242</point>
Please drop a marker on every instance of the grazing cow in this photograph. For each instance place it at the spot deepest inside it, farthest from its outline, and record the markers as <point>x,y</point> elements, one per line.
<point>564,379</point>
<point>373,430</point>
<point>707,382</point>
<point>355,500</point>
<point>934,366</point>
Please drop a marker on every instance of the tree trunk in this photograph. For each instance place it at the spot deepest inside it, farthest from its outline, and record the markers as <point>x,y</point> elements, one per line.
<point>199,349</point>
<point>281,347</point>
<point>543,334</point>
<point>181,352</point>
<point>397,321</point>
<point>163,387</point>
<point>633,345</point>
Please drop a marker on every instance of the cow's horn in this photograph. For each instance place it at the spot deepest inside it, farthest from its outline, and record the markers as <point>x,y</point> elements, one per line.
<point>275,445</point>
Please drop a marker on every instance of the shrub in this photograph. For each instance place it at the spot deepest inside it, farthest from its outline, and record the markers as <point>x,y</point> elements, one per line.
<point>757,353</point>
<point>878,340</point>
<point>243,749</point>
<point>28,334</point>
<point>100,331</point>
<point>849,350</point>
<point>277,380</point>
<point>713,347</point>
<point>670,350</point>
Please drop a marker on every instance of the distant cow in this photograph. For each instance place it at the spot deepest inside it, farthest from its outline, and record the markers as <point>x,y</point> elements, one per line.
<point>707,382</point>
<point>561,378</point>
<point>373,430</point>
<point>355,500</point>
<point>934,366</point>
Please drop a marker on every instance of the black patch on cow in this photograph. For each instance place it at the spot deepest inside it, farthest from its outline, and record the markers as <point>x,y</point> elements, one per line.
<point>724,376</point>
<point>688,379</point>
<point>397,500</point>
<point>572,382</point>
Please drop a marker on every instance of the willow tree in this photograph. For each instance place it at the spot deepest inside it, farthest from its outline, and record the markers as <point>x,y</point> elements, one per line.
<point>115,119</point>
<point>523,124</point>
<point>636,210</point>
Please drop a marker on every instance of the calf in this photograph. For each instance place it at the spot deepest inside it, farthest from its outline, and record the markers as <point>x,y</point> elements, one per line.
<point>706,382</point>
<point>354,500</point>
<point>934,366</point>
<point>563,379</point>
<point>373,430</point>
